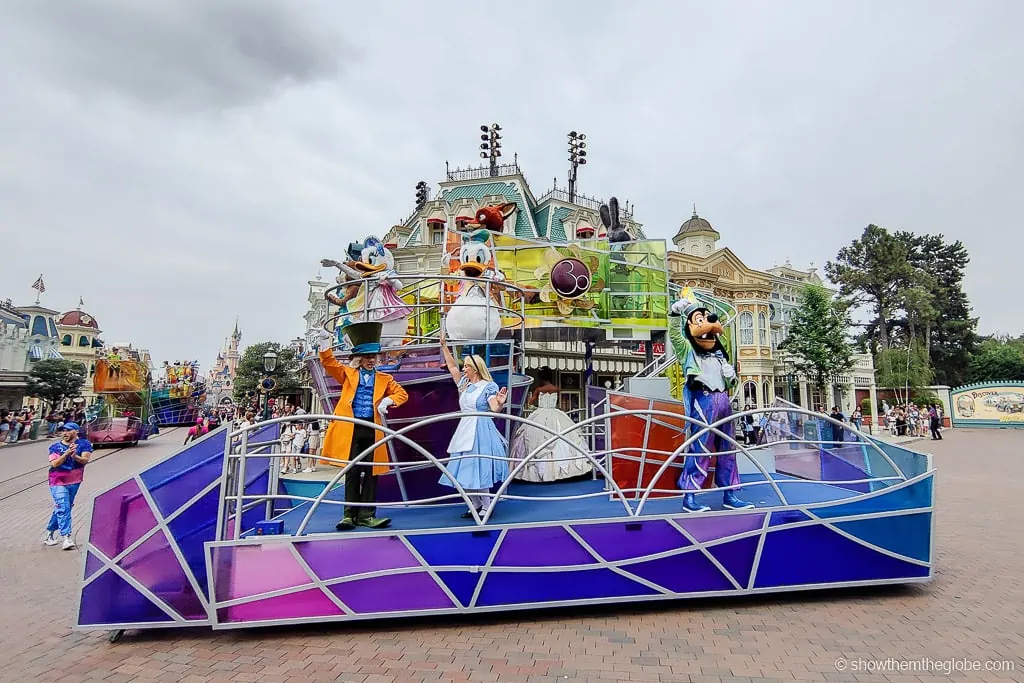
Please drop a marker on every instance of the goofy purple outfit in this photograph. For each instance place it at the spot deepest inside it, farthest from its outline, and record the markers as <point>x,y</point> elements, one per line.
<point>709,378</point>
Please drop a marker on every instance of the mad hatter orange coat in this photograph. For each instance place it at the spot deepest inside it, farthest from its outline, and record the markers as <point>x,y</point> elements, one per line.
<point>338,442</point>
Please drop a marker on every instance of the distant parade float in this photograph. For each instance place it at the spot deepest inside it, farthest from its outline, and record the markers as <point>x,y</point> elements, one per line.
<point>648,496</point>
<point>179,396</point>
<point>122,415</point>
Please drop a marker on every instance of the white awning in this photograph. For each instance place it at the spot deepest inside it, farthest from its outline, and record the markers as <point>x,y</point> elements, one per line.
<point>54,354</point>
<point>35,352</point>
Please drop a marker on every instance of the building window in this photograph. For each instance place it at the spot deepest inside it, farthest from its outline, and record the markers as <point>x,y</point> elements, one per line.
<point>749,395</point>
<point>747,329</point>
<point>762,328</point>
<point>436,236</point>
<point>66,340</point>
<point>83,341</point>
<point>766,392</point>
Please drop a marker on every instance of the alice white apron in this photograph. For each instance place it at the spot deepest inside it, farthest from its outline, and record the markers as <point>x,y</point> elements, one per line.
<point>465,434</point>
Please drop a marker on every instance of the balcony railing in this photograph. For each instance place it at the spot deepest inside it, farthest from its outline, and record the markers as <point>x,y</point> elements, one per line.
<point>482,172</point>
<point>582,200</point>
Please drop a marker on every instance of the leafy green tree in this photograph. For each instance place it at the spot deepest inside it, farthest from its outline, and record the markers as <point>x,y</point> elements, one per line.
<point>905,370</point>
<point>55,380</point>
<point>816,342</point>
<point>874,271</point>
<point>937,310</point>
<point>996,360</point>
<point>250,370</point>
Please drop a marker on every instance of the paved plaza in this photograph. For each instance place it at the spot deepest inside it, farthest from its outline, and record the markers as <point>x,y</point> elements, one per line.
<point>971,615</point>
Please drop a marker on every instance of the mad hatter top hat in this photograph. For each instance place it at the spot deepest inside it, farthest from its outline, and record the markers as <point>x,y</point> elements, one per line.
<point>364,337</point>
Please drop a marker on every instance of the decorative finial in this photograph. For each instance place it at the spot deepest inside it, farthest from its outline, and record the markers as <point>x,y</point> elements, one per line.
<point>695,209</point>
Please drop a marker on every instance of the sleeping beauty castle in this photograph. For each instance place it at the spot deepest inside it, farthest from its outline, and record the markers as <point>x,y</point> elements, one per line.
<point>498,194</point>
<point>221,378</point>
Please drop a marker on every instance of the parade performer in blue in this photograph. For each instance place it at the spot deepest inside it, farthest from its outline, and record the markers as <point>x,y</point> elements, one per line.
<point>68,458</point>
<point>710,377</point>
<point>479,453</point>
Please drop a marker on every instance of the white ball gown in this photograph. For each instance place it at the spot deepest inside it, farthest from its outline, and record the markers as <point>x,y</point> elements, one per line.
<point>559,460</point>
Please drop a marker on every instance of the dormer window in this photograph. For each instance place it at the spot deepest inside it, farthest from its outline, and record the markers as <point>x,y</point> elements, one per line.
<point>435,231</point>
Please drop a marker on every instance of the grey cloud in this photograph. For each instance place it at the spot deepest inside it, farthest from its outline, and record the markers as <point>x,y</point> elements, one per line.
<point>180,54</point>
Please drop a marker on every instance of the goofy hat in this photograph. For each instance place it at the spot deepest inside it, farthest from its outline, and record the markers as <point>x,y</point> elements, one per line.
<point>700,325</point>
<point>363,337</point>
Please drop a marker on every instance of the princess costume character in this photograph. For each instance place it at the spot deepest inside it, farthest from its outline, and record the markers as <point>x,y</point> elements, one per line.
<point>562,458</point>
<point>477,450</point>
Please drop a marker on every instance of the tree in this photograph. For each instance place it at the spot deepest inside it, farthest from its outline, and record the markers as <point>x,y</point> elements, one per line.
<point>938,310</point>
<point>250,370</point>
<point>874,270</point>
<point>55,380</point>
<point>905,370</point>
<point>816,341</point>
<point>996,360</point>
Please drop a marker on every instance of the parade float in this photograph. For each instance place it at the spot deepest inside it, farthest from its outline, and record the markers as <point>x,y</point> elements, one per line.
<point>122,413</point>
<point>179,395</point>
<point>214,535</point>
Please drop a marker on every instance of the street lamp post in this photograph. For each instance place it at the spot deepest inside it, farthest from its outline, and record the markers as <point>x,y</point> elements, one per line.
<point>577,158</point>
<point>268,384</point>
<point>490,148</point>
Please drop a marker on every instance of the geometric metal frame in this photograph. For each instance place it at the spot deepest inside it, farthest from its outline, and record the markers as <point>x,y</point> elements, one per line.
<point>623,573</point>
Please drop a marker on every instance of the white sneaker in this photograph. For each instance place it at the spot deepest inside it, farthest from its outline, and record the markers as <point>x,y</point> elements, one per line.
<point>50,539</point>
<point>308,470</point>
<point>68,544</point>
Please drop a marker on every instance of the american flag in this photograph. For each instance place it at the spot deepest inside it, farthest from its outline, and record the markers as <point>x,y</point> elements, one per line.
<point>38,285</point>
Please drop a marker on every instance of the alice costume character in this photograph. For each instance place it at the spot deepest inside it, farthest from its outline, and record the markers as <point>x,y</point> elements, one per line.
<point>380,301</point>
<point>365,395</point>
<point>709,378</point>
<point>477,449</point>
<point>561,459</point>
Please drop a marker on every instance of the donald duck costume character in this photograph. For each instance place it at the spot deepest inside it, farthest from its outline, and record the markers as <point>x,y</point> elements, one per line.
<point>710,377</point>
<point>471,315</point>
<point>366,394</point>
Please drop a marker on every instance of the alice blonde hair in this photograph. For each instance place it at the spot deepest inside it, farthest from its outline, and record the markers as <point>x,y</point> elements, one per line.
<point>479,365</point>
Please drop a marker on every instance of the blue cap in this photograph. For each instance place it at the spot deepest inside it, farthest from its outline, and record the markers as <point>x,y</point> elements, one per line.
<point>71,425</point>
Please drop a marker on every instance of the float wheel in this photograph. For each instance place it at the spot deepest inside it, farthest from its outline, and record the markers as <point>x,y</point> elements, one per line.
<point>115,636</point>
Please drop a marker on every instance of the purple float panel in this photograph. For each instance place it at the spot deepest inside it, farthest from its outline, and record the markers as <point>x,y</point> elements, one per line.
<point>713,527</point>
<point>92,564</point>
<point>688,572</point>
<point>347,557</point>
<point>512,588</point>
<point>548,546</point>
<point>737,557</point>
<point>837,466</point>
<point>154,565</point>
<point>804,463</point>
<point>242,571</point>
<point>173,482</point>
<point>191,529</point>
<point>825,557</point>
<point>628,540</point>
<point>109,600</point>
<point>398,593</point>
<point>120,517</point>
<point>307,604</point>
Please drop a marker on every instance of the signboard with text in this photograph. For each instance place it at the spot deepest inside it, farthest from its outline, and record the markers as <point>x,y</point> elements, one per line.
<point>994,404</point>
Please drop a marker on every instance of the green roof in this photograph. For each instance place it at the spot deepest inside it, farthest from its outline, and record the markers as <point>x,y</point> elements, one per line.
<point>557,232</point>
<point>510,190</point>
<point>541,219</point>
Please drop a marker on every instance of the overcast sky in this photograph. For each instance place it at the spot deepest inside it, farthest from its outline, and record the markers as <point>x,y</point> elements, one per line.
<point>178,163</point>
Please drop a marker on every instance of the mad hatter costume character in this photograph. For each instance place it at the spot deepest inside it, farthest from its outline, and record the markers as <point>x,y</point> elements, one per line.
<point>366,394</point>
<point>477,449</point>
<point>709,378</point>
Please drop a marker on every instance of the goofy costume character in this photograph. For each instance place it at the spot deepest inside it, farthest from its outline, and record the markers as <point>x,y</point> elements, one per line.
<point>366,394</point>
<point>709,378</point>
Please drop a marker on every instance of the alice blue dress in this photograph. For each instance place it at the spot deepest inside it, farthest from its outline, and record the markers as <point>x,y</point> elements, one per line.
<point>475,437</point>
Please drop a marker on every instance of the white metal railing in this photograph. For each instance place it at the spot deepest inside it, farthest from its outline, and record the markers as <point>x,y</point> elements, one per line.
<point>235,501</point>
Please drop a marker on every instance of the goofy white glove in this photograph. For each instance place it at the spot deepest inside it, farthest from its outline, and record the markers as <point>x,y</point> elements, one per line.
<point>728,371</point>
<point>383,406</point>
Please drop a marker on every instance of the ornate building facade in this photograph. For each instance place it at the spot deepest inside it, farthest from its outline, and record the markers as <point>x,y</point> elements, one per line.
<point>80,342</point>
<point>221,378</point>
<point>764,301</point>
<point>28,334</point>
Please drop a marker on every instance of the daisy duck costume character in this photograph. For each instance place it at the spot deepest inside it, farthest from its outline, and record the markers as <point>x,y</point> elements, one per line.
<point>471,315</point>
<point>378,301</point>
<point>710,377</point>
